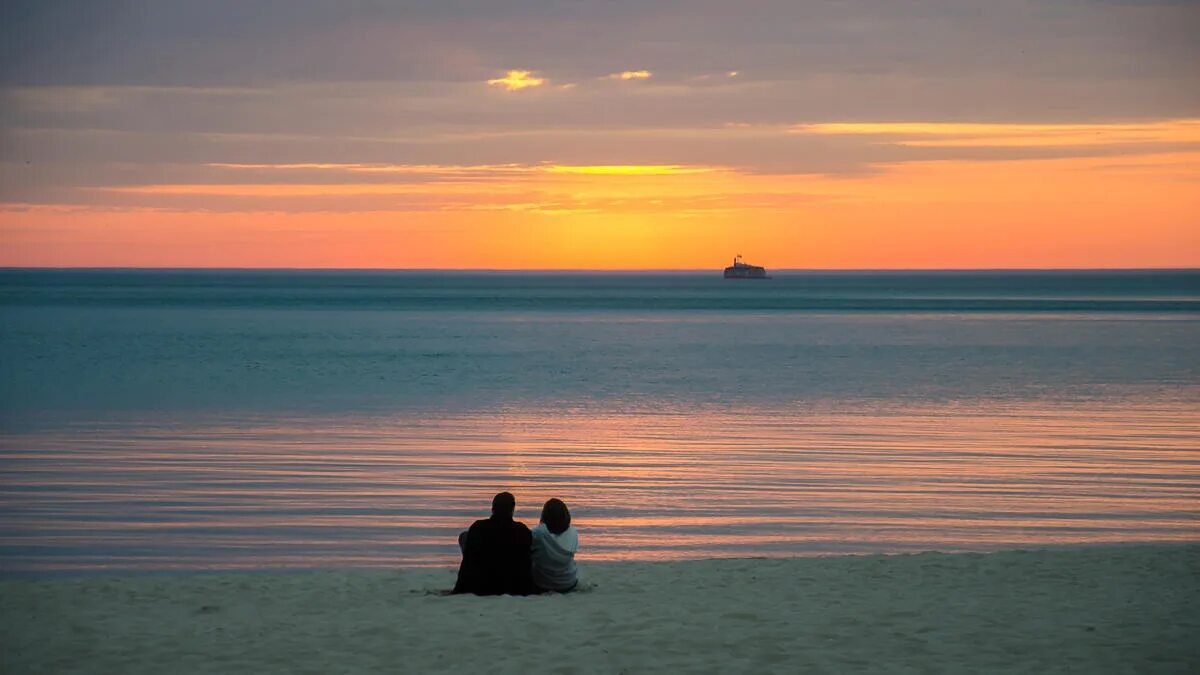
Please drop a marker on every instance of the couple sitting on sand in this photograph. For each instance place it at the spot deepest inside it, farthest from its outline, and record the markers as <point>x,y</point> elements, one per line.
<point>502,557</point>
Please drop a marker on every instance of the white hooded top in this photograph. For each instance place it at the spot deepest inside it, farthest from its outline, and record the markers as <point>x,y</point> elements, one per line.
<point>554,558</point>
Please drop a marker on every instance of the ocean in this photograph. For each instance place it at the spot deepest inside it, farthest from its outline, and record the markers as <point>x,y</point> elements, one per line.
<point>180,420</point>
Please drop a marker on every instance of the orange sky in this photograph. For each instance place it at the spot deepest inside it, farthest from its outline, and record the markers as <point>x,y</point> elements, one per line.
<point>1077,212</point>
<point>482,151</point>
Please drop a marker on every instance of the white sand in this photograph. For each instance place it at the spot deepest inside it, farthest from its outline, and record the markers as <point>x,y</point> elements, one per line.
<point>1126,609</point>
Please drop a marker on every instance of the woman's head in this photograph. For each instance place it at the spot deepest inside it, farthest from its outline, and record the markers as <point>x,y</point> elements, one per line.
<point>556,516</point>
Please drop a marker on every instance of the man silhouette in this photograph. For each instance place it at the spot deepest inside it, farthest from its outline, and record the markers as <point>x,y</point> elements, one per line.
<point>496,553</point>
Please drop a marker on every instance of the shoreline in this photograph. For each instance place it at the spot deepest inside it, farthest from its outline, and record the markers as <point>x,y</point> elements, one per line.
<point>185,572</point>
<point>1104,609</point>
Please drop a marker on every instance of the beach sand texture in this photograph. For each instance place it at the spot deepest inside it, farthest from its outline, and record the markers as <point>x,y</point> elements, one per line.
<point>1085,610</point>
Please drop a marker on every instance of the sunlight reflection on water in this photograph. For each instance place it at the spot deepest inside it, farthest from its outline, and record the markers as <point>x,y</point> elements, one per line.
<point>687,482</point>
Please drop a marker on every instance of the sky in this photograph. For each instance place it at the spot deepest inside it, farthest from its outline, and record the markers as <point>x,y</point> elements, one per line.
<point>614,134</point>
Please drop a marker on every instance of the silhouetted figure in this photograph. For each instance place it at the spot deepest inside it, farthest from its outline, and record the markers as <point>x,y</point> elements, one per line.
<point>554,545</point>
<point>496,553</point>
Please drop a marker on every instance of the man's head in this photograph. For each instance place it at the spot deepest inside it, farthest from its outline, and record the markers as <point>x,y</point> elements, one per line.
<point>503,505</point>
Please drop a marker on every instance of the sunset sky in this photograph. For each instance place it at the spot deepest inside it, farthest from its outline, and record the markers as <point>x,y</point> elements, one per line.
<point>600,135</point>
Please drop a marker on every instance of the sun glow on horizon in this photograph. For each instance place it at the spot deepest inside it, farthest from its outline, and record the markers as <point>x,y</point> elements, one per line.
<point>535,216</point>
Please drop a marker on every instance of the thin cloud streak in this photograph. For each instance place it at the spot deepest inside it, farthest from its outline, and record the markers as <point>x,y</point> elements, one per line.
<point>627,75</point>
<point>952,134</point>
<point>493,169</point>
<point>424,169</point>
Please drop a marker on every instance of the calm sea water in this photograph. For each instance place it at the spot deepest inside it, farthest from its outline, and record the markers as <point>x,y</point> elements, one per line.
<point>217,420</point>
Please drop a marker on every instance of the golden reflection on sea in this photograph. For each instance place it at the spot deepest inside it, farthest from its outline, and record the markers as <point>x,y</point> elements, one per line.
<point>662,483</point>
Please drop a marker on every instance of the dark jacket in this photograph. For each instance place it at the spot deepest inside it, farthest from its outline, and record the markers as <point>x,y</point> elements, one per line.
<point>496,558</point>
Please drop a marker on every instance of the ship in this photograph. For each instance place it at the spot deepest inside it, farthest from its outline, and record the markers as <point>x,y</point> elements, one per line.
<point>741,270</point>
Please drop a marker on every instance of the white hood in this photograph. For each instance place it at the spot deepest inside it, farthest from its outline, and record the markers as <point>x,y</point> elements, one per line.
<point>566,542</point>
<point>554,557</point>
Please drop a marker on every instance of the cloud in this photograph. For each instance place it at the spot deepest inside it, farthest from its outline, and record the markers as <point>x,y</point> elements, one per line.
<point>254,41</point>
<point>630,75</point>
<point>391,92</point>
<point>545,189</point>
<point>629,170</point>
<point>273,189</point>
<point>548,189</point>
<point>457,179</point>
<point>454,170</point>
<point>457,170</point>
<point>517,80</point>
<point>967,135</point>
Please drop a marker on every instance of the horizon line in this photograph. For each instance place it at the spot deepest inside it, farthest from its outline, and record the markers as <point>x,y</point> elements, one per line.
<point>589,270</point>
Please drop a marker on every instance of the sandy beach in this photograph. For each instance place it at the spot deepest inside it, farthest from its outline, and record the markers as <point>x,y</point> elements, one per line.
<point>1110,609</point>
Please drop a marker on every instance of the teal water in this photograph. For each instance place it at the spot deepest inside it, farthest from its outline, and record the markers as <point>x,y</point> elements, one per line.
<point>154,420</point>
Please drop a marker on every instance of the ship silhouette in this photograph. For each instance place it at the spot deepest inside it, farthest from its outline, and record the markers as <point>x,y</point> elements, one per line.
<point>741,270</point>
